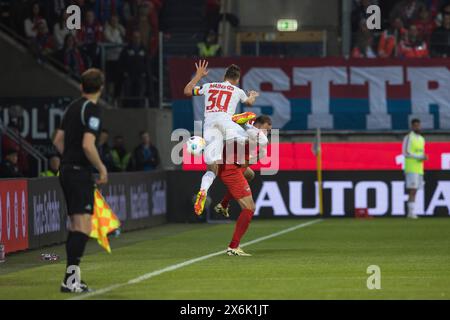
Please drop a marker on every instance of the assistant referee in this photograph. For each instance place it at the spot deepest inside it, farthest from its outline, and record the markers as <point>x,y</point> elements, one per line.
<point>75,140</point>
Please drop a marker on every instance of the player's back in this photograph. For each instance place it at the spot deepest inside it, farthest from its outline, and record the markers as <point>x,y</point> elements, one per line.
<point>221,99</point>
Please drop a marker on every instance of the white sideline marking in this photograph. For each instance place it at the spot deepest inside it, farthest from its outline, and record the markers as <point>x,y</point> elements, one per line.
<point>189,262</point>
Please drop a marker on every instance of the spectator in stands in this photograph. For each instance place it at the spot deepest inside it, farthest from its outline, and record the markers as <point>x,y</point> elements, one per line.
<point>438,20</point>
<point>364,44</point>
<point>53,12</point>
<point>8,167</point>
<point>424,24</point>
<point>105,9</point>
<point>90,35</point>
<point>120,156</point>
<point>209,47</point>
<point>389,39</point>
<point>407,10</point>
<point>60,31</point>
<point>413,46</point>
<point>54,163</point>
<point>114,33</point>
<point>104,149</point>
<point>440,38</point>
<point>31,23</point>
<point>434,6</point>
<point>136,67</point>
<point>147,25</point>
<point>131,8</point>
<point>71,56</point>
<point>145,156</point>
<point>43,42</point>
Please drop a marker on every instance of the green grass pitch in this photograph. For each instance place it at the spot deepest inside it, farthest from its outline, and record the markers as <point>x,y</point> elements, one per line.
<point>326,260</point>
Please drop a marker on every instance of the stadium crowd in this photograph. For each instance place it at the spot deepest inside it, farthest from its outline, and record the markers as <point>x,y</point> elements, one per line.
<point>126,29</point>
<point>415,29</point>
<point>144,157</point>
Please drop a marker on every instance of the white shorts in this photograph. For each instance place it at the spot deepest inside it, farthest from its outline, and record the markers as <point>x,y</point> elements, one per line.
<point>413,180</point>
<point>215,133</point>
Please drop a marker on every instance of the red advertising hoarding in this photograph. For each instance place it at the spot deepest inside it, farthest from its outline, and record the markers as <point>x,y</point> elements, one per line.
<point>345,156</point>
<point>14,214</point>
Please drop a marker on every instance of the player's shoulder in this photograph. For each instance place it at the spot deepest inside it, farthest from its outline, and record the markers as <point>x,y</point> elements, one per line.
<point>74,107</point>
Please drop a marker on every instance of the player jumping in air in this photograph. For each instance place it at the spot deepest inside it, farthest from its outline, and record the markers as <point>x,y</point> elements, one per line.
<point>258,138</point>
<point>221,100</point>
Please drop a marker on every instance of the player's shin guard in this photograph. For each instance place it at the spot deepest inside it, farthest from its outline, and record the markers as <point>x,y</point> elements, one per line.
<point>75,245</point>
<point>241,227</point>
<point>226,199</point>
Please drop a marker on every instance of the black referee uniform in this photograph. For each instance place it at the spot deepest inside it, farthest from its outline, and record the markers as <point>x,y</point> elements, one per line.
<point>77,181</point>
<point>76,171</point>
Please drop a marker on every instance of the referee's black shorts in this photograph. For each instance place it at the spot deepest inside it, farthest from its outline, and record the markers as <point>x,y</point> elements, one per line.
<point>78,186</point>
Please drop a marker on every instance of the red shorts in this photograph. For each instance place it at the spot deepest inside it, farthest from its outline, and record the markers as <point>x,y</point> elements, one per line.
<point>233,177</point>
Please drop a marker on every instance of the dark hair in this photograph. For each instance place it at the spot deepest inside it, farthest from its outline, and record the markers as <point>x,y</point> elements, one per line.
<point>233,72</point>
<point>92,81</point>
<point>414,121</point>
<point>263,119</point>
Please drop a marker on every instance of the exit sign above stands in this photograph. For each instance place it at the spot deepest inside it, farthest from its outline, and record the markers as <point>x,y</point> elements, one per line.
<point>287,25</point>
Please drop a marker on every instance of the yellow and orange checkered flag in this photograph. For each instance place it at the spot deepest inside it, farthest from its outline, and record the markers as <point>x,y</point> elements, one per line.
<point>104,221</point>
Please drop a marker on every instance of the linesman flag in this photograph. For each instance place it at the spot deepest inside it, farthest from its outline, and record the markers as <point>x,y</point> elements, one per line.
<point>104,221</point>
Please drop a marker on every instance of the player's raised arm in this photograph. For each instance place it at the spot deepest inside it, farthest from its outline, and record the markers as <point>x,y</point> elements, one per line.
<point>251,98</point>
<point>202,71</point>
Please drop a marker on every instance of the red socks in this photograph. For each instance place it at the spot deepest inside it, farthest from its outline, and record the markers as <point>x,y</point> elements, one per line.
<point>226,199</point>
<point>241,227</point>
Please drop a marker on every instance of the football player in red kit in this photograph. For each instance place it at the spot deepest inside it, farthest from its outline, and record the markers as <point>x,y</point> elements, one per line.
<point>235,177</point>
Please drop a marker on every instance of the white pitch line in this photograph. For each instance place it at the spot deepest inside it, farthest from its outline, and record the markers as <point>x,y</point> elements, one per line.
<point>189,262</point>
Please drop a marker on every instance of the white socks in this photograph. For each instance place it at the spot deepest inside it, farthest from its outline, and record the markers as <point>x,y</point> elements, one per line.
<point>410,206</point>
<point>207,180</point>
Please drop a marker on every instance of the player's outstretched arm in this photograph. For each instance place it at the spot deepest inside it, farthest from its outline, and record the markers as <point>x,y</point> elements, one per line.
<point>251,98</point>
<point>202,71</point>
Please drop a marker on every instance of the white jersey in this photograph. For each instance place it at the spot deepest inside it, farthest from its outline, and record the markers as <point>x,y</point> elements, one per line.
<point>221,99</point>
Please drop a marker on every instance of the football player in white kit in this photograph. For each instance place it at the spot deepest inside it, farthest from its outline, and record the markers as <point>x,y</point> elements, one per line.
<point>221,100</point>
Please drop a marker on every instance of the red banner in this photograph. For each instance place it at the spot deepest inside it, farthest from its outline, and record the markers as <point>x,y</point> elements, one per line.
<point>346,156</point>
<point>14,215</point>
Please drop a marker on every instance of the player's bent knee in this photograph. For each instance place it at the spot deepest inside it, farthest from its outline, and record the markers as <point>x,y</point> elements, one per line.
<point>247,203</point>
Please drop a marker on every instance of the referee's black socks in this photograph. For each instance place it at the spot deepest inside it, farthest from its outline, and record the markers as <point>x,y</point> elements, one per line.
<point>75,245</point>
